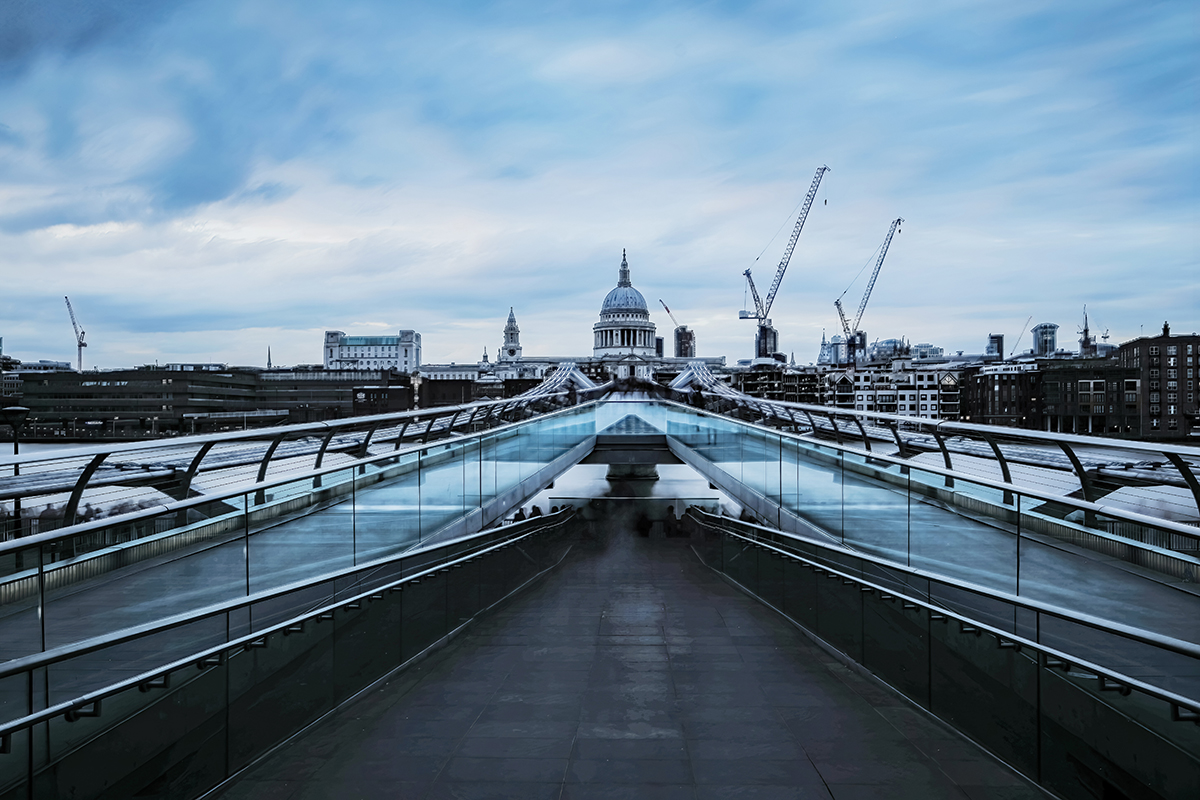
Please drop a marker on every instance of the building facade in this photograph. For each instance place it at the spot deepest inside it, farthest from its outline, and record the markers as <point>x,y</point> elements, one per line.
<point>400,352</point>
<point>1165,367</point>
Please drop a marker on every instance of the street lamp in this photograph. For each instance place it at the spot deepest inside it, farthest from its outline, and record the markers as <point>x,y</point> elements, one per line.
<point>14,417</point>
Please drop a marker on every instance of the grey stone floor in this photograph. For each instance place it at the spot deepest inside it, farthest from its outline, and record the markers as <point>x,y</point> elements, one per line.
<point>630,672</point>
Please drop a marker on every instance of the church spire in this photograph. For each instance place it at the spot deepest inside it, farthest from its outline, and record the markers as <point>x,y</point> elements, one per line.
<point>623,277</point>
<point>511,348</point>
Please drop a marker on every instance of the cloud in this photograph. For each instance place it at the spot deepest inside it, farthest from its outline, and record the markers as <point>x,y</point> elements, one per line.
<point>194,170</point>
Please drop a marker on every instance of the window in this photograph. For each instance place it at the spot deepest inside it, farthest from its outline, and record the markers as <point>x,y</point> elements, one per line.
<point>1172,397</point>
<point>1153,351</point>
<point>1171,350</point>
<point>924,407</point>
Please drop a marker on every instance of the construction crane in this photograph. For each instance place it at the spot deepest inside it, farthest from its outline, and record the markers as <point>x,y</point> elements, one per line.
<point>1024,328</point>
<point>766,340</point>
<point>685,340</point>
<point>854,335</point>
<point>80,343</point>
<point>669,314</point>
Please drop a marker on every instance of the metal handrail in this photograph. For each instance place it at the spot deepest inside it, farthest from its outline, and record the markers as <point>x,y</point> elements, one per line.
<point>162,509</point>
<point>85,646</point>
<point>1180,646</point>
<point>740,398</point>
<point>1191,704</point>
<point>259,434</point>
<point>1083,505</point>
<point>201,657</point>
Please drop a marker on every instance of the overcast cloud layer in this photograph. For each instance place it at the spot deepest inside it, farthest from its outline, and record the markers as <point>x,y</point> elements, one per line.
<point>209,179</point>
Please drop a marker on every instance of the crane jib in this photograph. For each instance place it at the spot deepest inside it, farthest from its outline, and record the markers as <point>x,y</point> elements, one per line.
<point>878,264</point>
<point>765,309</point>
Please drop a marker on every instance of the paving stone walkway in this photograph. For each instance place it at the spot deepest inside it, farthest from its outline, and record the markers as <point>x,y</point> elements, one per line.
<point>630,672</point>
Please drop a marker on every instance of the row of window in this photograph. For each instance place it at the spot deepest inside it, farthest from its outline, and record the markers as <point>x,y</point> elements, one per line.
<point>1172,349</point>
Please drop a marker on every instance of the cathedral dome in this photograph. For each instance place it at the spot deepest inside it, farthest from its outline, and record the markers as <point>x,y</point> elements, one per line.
<point>624,297</point>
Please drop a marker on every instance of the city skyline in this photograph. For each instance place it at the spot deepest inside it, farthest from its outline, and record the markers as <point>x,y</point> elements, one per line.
<point>206,181</point>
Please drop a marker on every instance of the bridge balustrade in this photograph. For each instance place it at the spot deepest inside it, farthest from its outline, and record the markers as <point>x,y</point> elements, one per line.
<point>311,537</point>
<point>184,555</point>
<point>1011,675</point>
<point>231,682</point>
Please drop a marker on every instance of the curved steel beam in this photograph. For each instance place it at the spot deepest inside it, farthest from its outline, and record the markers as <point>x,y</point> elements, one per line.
<point>945,456</point>
<point>1085,483</point>
<point>321,456</point>
<point>366,442</point>
<point>891,424</point>
<point>72,507</point>
<point>863,431</point>
<point>1008,496</point>
<point>185,483</point>
<point>260,496</point>
<point>1189,477</point>
<point>362,448</point>
<point>429,428</point>
<point>837,432</point>
<point>400,435</point>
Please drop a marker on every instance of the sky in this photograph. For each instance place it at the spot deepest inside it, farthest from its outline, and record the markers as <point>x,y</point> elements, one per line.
<point>205,180</point>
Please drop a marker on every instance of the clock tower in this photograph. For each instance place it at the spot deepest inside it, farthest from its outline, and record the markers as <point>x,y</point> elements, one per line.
<point>511,349</point>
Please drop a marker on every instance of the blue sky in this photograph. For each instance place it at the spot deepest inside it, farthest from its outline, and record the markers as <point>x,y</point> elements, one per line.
<point>209,179</point>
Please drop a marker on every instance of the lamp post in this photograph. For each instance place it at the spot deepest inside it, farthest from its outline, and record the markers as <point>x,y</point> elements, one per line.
<point>14,417</point>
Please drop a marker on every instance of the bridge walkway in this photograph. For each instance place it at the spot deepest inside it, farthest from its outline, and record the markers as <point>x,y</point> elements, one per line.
<point>630,671</point>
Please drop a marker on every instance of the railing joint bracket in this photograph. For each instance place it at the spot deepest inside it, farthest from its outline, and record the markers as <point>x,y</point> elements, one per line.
<point>161,682</point>
<point>215,660</point>
<point>1178,714</point>
<point>79,712</point>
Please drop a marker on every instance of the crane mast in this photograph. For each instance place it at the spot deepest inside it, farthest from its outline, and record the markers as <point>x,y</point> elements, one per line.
<point>842,316</point>
<point>79,342</point>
